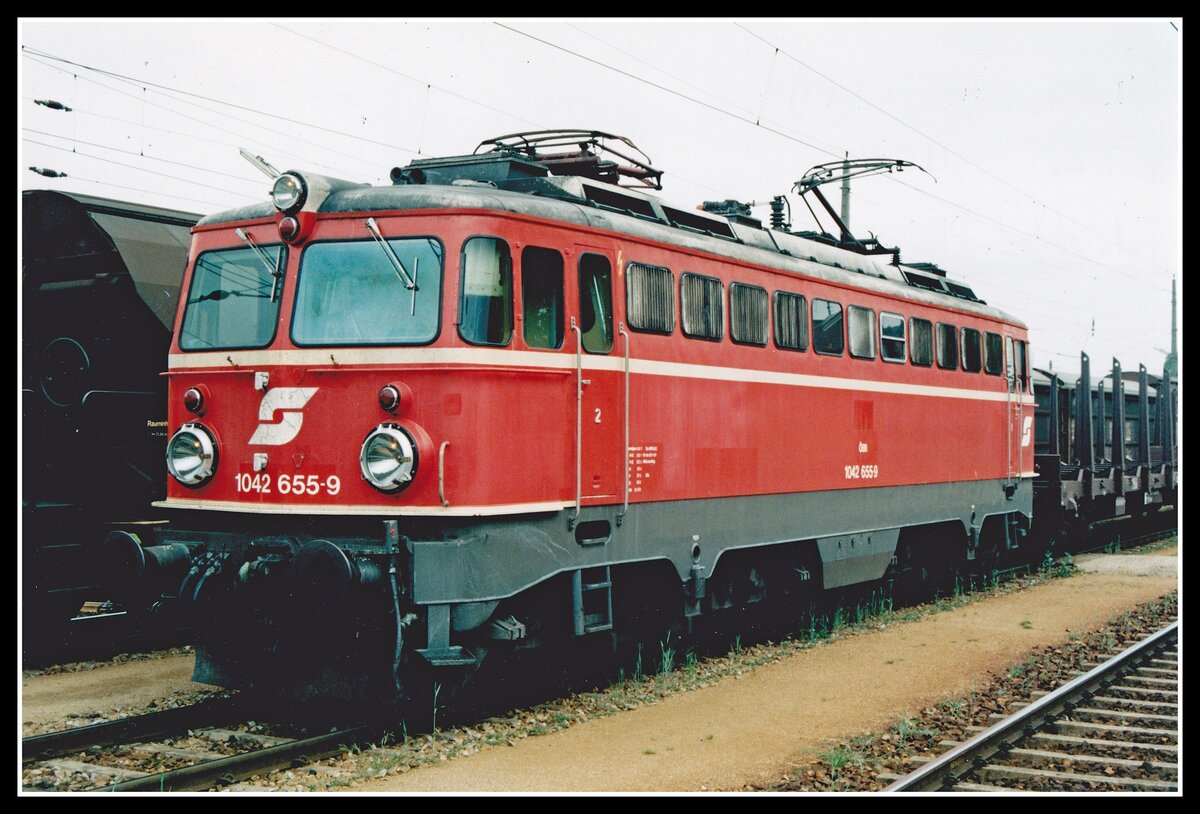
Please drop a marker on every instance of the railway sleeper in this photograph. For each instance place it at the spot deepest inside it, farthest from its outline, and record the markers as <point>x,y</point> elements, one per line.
<point>1165,750</point>
<point>1151,682</point>
<point>1091,751</point>
<point>1125,715</point>
<point>983,788</point>
<point>166,750</point>
<point>1119,703</point>
<point>1142,692</point>
<point>1082,726</point>
<point>1159,672</point>
<point>1037,757</point>
<point>236,738</point>
<point>1092,713</point>
<point>1153,672</point>
<point>1020,773</point>
<point>94,771</point>
<point>1166,706</point>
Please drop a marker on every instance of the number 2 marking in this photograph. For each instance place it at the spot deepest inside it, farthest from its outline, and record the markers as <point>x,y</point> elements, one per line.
<point>597,415</point>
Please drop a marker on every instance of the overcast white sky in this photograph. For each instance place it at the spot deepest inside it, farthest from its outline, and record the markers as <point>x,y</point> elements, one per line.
<point>1055,144</point>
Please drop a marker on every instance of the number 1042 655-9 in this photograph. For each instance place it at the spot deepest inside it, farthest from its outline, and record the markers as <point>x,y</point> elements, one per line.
<point>284,484</point>
<point>862,471</point>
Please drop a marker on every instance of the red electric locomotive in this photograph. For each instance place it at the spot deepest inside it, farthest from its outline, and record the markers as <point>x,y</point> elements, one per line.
<point>508,399</point>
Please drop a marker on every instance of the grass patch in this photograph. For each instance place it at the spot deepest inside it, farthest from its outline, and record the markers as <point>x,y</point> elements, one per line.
<point>1169,542</point>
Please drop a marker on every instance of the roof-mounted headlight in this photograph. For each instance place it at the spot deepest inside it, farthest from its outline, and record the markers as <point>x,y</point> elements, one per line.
<point>289,192</point>
<point>388,458</point>
<point>192,455</point>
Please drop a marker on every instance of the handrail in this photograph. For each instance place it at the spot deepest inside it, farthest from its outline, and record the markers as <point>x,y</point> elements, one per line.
<point>625,508</point>
<point>442,474</point>
<point>578,423</point>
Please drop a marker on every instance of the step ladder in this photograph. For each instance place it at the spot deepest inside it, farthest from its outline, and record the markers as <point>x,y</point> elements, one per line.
<point>591,597</point>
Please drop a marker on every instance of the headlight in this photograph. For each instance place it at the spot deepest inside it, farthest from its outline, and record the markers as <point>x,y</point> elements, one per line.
<point>289,192</point>
<point>192,455</point>
<point>388,458</point>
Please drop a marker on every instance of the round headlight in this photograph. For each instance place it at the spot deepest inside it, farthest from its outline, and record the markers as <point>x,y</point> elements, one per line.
<point>289,192</point>
<point>388,458</point>
<point>191,455</point>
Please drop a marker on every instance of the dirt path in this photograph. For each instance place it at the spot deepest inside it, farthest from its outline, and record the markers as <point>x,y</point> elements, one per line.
<point>107,687</point>
<point>744,730</point>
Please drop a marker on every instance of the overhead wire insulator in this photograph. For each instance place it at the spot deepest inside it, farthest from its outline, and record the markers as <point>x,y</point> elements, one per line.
<point>52,104</point>
<point>48,173</point>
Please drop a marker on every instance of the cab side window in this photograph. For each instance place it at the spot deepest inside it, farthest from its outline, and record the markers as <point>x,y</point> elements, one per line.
<point>542,297</point>
<point>595,303</point>
<point>485,308</point>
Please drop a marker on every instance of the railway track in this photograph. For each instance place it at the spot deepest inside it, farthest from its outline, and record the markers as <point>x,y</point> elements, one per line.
<point>186,749</point>
<point>1104,539</point>
<point>1114,728</point>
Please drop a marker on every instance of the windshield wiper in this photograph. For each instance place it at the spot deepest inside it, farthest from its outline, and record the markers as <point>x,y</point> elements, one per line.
<point>272,268</point>
<point>219,294</point>
<point>401,271</point>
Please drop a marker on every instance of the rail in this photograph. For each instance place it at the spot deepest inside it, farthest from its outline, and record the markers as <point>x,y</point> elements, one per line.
<point>944,772</point>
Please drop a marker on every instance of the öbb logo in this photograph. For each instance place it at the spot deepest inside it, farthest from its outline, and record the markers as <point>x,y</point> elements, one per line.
<point>291,401</point>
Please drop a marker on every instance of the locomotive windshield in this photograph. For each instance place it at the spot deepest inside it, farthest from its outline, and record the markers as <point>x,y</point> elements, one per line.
<point>350,294</point>
<point>230,304</point>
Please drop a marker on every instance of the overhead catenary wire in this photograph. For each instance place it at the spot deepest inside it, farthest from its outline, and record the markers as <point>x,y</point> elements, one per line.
<point>1040,262</point>
<point>235,105</point>
<point>207,123</point>
<point>274,150</point>
<point>73,140</point>
<point>1023,233</point>
<point>798,140</point>
<point>949,150</point>
<point>973,213</point>
<point>460,96</point>
<point>139,169</point>
<point>827,150</point>
<point>391,70</point>
<point>242,137</point>
<point>219,205</point>
<point>656,68</point>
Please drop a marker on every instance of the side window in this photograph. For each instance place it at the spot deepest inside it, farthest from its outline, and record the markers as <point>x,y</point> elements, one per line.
<point>993,361</point>
<point>701,307</point>
<point>1022,370</point>
<point>791,321</point>
<point>595,303</point>
<point>972,352</point>
<point>947,346</point>
<point>1010,370</point>
<point>485,307</point>
<point>650,298</point>
<point>828,336</point>
<point>891,338</point>
<point>921,349</point>
<point>542,297</point>
<point>862,332</point>
<point>748,314</point>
